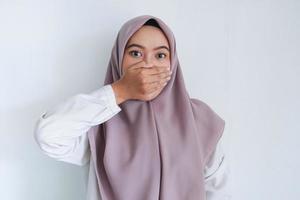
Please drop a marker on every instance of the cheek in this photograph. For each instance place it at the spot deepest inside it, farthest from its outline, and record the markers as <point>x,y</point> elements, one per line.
<point>165,62</point>
<point>128,61</point>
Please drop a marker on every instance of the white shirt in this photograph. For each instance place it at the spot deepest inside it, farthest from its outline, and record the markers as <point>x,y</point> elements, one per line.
<point>61,134</point>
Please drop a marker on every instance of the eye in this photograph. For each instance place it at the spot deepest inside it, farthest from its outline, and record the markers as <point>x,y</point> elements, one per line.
<point>135,53</point>
<point>161,55</point>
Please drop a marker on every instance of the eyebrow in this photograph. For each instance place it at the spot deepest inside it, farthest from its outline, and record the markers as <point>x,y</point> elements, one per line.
<point>142,47</point>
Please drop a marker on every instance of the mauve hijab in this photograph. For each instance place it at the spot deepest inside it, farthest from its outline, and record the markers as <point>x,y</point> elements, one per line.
<point>154,150</point>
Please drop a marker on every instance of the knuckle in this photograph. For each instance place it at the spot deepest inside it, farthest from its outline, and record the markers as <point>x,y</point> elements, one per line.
<point>140,76</point>
<point>143,72</point>
<point>143,90</point>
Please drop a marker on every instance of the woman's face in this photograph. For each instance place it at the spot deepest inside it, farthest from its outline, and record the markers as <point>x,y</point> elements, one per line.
<point>148,44</point>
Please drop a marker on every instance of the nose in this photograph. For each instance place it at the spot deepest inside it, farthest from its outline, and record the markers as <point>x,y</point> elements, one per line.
<point>148,59</point>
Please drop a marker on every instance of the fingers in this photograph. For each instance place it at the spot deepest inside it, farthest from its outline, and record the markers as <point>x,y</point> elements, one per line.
<point>156,77</point>
<point>156,87</point>
<point>156,70</point>
<point>137,65</point>
<point>149,69</point>
<point>150,73</point>
<point>158,84</point>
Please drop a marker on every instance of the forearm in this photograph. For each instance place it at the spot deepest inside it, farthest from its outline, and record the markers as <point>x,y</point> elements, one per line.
<point>61,131</point>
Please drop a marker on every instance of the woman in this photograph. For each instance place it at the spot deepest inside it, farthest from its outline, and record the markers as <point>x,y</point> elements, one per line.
<point>143,136</point>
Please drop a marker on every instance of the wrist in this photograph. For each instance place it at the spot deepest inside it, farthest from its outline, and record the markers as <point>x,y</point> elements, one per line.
<point>120,93</point>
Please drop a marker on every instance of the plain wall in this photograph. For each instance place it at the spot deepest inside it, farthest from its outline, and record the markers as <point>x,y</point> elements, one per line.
<point>240,57</point>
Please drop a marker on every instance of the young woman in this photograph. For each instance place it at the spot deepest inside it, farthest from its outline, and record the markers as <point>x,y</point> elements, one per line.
<point>142,135</point>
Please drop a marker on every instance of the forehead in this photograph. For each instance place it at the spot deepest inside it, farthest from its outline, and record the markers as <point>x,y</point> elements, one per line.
<point>149,36</point>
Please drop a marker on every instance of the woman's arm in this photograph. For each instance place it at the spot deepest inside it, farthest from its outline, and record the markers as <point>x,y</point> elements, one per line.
<point>61,132</point>
<point>217,175</point>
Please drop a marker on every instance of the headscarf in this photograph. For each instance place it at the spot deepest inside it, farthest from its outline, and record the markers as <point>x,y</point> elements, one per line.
<point>157,149</point>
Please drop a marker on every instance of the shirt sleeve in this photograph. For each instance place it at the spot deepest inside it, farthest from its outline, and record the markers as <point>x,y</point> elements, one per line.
<point>61,131</point>
<point>217,175</point>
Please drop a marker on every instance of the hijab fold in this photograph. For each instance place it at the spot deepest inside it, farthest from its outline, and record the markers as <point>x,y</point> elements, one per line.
<point>157,149</point>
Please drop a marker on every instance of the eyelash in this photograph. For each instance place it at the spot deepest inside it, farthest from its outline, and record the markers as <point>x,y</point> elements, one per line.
<point>134,51</point>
